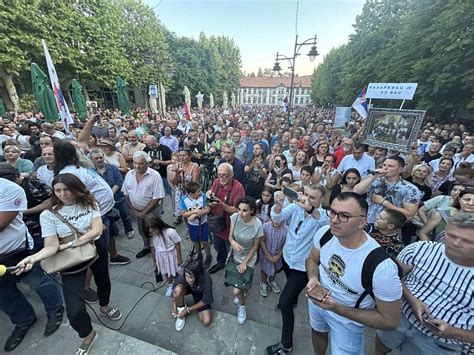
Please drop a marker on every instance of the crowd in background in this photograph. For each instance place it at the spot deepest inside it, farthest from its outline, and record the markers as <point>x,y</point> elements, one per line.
<point>123,171</point>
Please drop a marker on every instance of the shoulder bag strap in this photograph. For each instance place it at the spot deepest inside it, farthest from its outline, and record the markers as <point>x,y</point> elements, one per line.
<point>66,222</point>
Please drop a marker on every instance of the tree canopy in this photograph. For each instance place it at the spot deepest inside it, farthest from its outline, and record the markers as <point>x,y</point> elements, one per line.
<point>96,41</point>
<point>429,42</point>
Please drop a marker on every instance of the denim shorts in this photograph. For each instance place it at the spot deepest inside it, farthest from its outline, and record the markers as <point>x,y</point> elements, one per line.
<point>194,232</point>
<point>409,340</point>
<point>346,337</point>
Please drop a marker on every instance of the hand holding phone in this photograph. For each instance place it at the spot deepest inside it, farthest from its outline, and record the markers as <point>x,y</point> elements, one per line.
<point>429,321</point>
<point>318,293</point>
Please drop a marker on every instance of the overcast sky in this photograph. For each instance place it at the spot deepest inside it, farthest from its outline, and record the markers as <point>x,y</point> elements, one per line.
<point>260,28</point>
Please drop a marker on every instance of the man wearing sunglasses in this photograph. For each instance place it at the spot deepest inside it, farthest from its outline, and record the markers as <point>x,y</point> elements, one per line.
<point>304,217</point>
<point>336,264</point>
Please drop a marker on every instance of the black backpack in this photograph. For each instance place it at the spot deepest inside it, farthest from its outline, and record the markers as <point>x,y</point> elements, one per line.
<point>371,262</point>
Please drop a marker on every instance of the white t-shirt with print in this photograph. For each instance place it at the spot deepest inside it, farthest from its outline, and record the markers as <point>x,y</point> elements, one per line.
<point>78,216</point>
<point>340,271</point>
<point>13,199</point>
<point>95,184</point>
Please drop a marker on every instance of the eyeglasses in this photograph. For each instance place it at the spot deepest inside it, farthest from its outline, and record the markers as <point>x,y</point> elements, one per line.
<point>341,217</point>
<point>298,227</point>
<point>223,175</point>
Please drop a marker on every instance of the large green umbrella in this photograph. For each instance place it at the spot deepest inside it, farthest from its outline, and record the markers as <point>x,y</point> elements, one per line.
<point>2,107</point>
<point>43,93</point>
<point>122,95</point>
<point>78,98</point>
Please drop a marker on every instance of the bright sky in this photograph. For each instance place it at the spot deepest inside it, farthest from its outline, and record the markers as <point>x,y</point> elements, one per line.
<point>260,28</point>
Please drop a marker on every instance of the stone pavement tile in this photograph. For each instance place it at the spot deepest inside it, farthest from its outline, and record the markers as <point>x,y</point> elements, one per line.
<point>65,340</point>
<point>253,338</point>
<point>218,338</point>
<point>124,275</point>
<point>125,297</point>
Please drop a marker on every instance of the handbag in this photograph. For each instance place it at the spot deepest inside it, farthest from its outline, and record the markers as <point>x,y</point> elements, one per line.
<point>218,223</point>
<point>234,278</point>
<point>68,258</point>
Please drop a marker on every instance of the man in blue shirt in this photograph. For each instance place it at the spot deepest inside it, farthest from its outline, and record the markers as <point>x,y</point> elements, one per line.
<point>304,217</point>
<point>255,140</point>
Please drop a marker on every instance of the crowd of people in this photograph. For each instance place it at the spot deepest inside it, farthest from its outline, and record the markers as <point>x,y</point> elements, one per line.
<point>374,237</point>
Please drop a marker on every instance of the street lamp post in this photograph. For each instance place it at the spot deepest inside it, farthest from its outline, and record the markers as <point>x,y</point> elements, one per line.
<point>313,53</point>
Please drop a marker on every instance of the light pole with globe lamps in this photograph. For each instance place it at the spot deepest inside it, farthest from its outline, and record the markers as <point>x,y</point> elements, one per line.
<point>313,53</point>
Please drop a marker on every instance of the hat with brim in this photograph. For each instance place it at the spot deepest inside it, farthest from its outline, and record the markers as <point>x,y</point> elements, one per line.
<point>104,141</point>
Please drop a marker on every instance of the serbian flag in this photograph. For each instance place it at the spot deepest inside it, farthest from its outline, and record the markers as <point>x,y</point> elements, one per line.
<point>184,112</point>
<point>360,103</point>
<point>64,113</point>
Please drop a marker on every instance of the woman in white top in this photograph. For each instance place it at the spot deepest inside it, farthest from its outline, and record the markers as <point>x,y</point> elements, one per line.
<point>75,203</point>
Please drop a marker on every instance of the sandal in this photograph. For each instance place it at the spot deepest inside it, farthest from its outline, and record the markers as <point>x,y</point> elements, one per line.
<point>54,322</point>
<point>84,348</point>
<point>112,313</point>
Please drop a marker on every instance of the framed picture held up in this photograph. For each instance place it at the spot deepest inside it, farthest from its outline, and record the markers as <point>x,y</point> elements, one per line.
<point>392,128</point>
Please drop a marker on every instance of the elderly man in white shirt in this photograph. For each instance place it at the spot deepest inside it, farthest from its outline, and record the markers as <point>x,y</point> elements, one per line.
<point>143,189</point>
<point>357,160</point>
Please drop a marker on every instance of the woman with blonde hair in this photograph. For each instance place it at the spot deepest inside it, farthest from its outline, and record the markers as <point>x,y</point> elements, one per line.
<point>421,178</point>
<point>300,159</point>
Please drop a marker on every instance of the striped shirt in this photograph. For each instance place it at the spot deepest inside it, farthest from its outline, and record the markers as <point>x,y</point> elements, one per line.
<point>445,287</point>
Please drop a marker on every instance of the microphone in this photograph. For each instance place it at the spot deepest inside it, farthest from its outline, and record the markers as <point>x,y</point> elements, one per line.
<point>4,269</point>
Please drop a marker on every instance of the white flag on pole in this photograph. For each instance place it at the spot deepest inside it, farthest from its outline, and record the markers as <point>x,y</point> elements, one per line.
<point>64,113</point>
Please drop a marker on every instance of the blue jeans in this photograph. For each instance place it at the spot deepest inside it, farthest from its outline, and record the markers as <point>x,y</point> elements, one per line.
<point>124,215</point>
<point>222,248</point>
<point>15,304</point>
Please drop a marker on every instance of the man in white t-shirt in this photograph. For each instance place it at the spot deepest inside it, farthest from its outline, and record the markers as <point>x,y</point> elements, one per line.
<point>335,263</point>
<point>15,240</point>
<point>357,160</point>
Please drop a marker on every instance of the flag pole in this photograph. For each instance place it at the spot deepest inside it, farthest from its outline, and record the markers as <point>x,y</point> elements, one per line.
<point>402,104</point>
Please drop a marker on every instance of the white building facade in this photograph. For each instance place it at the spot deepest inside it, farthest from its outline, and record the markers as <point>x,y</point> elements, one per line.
<point>263,91</point>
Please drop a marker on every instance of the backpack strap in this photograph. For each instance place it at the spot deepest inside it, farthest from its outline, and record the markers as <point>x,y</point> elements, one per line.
<point>371,262</point>
<point>327,236</point>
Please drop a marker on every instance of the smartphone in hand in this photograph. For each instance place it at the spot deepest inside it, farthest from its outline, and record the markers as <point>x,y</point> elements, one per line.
<point>318,293</point>
<point>429,320</point>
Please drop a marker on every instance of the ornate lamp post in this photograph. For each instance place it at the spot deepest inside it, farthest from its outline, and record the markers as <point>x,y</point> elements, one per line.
<point>313,53</point>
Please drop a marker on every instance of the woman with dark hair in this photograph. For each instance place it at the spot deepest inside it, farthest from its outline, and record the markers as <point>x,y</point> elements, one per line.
<point>182,173</point>
<point>280,170</point>
<point>67,161</point>
<point>326,175</point>
<point>74,202</point>
<point>256,172</point>
<point>197,282</point>
<point>442,175</point>
<point>318,158</point>
<point>434,228</point>
<point>265,204</point>
<point>210,135</point>
<point>299,160</point>
<point>350,178</point>
<point>244,238</point>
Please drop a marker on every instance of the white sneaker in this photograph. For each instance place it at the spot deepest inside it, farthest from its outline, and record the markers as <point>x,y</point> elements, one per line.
<point>130,234</point>
<point>236,301</point>
<point>169,291</point>
<point>241,314</point>
<point>263,289</point>
<point>179,324</point>
<point>274,286</point>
